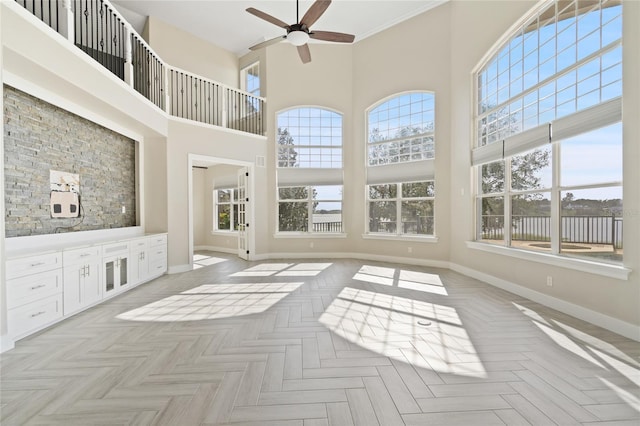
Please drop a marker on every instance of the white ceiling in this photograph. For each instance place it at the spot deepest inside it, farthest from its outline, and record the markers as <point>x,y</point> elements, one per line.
<point>227,24</point>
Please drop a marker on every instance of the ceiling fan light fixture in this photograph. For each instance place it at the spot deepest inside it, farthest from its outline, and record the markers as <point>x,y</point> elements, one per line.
<point>298,38</point>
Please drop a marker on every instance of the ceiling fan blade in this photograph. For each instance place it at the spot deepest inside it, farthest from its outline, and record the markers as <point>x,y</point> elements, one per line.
<point>267,43</point>
<point>305,53</point>
<point>315,11</point>
<point>260,14</point>
<point>332,36</point>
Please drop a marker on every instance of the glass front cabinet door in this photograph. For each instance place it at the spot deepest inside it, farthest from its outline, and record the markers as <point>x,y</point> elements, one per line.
<point>116,268</point>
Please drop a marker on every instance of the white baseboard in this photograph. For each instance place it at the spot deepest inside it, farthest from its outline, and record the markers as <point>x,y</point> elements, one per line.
<point>596,318</point>
<point>218,249</point>
<point>179,269</point>
<point>6,343</point>
<point>359,256</point>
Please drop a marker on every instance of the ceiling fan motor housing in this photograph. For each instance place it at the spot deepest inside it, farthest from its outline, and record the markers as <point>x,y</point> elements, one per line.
<point>298,35</point>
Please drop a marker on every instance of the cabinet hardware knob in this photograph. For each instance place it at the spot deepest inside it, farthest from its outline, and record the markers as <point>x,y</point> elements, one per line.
<point>38,314</point>
<point>37,264</point>
<point>37,287</point>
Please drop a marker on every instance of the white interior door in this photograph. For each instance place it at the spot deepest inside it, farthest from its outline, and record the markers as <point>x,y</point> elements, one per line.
<point>243,203</point>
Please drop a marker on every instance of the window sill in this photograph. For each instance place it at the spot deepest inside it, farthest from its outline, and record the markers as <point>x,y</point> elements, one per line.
<point>225,233</point>
<point>308,235</point>
<point>603,269</point>
<point>396,237</point>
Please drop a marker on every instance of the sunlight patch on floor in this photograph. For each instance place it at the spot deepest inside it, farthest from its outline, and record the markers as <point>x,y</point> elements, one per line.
<point>598,352</point>
<point>410,280</point>
<point>283,270</point>
<point>213,301</point>
<point>202,260</point>
<point>389,325</point>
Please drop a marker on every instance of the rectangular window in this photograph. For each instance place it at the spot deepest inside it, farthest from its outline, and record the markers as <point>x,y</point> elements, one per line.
<point>250,79</point>
<point>310,209</point>
<point>402,208</point>
<point>225,209</point>
<point>584,172</point>
<point>548,154</point>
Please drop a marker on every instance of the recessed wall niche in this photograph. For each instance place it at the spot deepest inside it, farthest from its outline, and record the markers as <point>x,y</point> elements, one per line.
<point>40,137</point>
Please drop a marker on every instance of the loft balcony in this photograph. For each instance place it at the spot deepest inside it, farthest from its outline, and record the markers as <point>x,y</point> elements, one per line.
<point>99,30</point>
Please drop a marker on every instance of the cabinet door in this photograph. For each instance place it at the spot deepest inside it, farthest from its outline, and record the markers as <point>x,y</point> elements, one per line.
<point>110,276</point>
<point>139,267</point>
<point>116,274</point>
<point>72,300</point>
<point>91,289</point>
<point>123,271</point>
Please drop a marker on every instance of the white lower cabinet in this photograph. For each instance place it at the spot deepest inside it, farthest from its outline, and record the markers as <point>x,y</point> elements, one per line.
<point>32,317</point>
<point>82,286</point>
<point>157,255</point>
<point>139,260</point>
<point>44,288</point>
<point>34,293</point>
<point>115,267</point>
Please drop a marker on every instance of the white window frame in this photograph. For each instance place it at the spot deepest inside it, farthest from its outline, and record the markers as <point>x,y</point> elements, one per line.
<point>399,234</point>
<point>507,144</point>
<point>245,72</point>
<point>232,203</point>
<point>325,157</point>
<point>309,200</point>
<point>410,139</point>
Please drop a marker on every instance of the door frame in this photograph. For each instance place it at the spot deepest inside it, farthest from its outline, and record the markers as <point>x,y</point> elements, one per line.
<point>206,159</point>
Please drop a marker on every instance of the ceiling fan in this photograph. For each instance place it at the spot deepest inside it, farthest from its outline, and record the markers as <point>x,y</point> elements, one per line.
<point>299,33</point>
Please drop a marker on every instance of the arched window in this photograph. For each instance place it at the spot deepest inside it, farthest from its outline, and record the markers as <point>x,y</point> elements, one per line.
<point>309,170</point>
<point>549,135</point>
<point>400,172</point>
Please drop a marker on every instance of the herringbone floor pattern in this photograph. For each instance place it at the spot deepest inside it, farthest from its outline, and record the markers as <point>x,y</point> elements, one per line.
<point>320,343</point>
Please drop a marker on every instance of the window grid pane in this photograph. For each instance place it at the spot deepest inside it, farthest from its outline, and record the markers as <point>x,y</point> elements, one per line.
<point>402,129</point>
<point>416,202</point>
<point>567,59</point>
<point>553,48</point>
<point>309,138</point>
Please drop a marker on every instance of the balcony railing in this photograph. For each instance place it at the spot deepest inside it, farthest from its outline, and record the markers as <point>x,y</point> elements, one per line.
<point>606,230</point>
<point>99,30</point>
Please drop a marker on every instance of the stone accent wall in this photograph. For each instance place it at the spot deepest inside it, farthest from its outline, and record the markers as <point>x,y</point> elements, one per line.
<point>39,137</point>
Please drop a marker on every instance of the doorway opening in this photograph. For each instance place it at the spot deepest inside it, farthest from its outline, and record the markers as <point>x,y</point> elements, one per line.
<point>221,212</point>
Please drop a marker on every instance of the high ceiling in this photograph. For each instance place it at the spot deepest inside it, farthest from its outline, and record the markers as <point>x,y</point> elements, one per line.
<point>227,24</point>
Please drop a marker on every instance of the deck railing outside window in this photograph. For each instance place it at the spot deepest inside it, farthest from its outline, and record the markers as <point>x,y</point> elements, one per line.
<point>605,230</point>
<point>97,28</point>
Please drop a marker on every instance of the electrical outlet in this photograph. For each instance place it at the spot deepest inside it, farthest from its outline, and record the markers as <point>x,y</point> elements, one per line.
<point>410,249</point>
<point>549,281</point>
<point>124,209</point>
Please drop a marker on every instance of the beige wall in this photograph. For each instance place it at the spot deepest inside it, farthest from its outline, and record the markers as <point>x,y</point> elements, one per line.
<point>412,56</point>
<point>199,206</point>
<point>615,298</point>
<point>190,53</point>
<point>184,139</point>
<point>155,185</point>
<point>326,82</point>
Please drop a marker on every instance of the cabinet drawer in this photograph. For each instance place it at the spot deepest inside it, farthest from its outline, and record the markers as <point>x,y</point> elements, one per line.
<point>81,255</point>
<point>29,265</point>
<point>157,254</point>
<point>34,315</point>
<point>138,245</point>
<point>28,289</point>
<point>116,249</point>
<point>158,267</point>
<point>158,240</point>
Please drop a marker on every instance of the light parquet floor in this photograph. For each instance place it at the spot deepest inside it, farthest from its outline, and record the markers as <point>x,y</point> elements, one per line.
<point>320,342</point>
